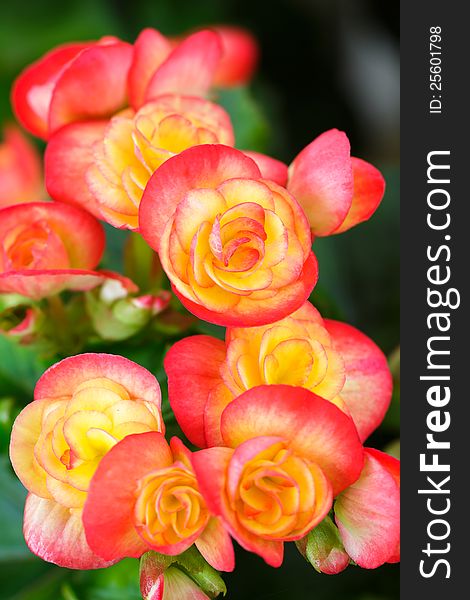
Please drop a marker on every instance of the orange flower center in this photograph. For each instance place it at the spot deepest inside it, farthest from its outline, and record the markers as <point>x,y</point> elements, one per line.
<point>169,507</point>
<point>279,495</point>
<point>35,246</point>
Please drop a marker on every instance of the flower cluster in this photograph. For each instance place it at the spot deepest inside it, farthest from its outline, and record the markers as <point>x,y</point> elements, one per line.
<point>277,413</point>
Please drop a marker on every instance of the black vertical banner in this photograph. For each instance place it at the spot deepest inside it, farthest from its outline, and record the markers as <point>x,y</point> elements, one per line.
<point>435,258</point>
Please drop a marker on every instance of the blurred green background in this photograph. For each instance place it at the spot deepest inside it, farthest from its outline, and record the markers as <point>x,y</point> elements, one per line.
<point>324,64</point>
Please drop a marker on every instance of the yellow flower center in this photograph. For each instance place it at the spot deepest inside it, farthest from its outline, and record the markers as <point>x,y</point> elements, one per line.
<point>77,432</point>
<point>169,507</point>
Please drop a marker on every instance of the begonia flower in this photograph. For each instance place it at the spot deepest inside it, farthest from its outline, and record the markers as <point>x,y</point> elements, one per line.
<point>332,359</point>
<point>236,247</point>
<point>368,512</point>
<point>82,407</point>
<point>47,247</point>
<point>145,496</point>
<point>94,80</point>
<point>288,454</point>
<point>20,169</point>
<point>104,166</point>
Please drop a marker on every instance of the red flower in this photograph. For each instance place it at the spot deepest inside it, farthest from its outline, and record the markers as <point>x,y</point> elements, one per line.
<point>332,359</point>
<point>47,247</point>
<point>94,80</point>
<point>145,496</point>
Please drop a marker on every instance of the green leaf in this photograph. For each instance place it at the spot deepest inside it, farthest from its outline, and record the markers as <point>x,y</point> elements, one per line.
<point>20,368</point>
<point>12,497</point>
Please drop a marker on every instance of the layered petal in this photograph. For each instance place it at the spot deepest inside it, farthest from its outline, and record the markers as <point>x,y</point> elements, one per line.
<point>321,179</point>
<point>39,284</point>
<point>48,247</point>
<point>83,407</point>
<point>235,247</point>
<point>270,168</point>
<point>211,466</point>
<point>368,388</point>
<point>134,145</point>
<point>81,235</point>
<point>369,188</point>
<point>216,547</point>
<point>65,376</point>
<point>367,513</point>
<point>336,191</point>
<point>204,166</point>
<point>240,55</point>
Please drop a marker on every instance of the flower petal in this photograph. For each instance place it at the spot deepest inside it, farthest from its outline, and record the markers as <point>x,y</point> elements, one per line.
<point>32,90</point>
<point>368,388</point>
<point>64,377</point>
<point>56,534</point>
<point>216,547</point>
<point>189,69</point>
<point>82,236</point>
<point>321,180</point>
<point>68,156</point>
<point>93,86</point>
<point>20,169</point>
<point>211,467</point>
<point>40,284</point>
<point>369,188</point>
<point>239,58</point>
<point>368,515</point>
<point>192,366</point>
<point>151,49</point>
<point>271,168</point>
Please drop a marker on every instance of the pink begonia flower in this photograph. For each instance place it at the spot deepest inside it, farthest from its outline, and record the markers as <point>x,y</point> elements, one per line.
<point>82,407</point>
<point>47,247</point>
<point>287,454</point>
<point>236,247</point>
